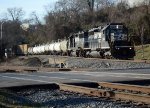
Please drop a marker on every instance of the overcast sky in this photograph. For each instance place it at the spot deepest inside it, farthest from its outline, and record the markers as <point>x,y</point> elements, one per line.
<point>27,5</point>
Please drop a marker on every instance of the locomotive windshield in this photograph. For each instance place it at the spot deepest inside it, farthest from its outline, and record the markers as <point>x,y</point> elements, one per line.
<point>117,32</point>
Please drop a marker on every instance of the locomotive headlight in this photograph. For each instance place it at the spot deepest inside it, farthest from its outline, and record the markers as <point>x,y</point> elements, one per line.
<point>130,48</point>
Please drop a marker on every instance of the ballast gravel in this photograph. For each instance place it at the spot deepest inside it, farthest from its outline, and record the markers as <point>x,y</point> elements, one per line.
<point>103,64</point>
<point>60,99</point>
<point>73,62</point>
<point>93,63</point>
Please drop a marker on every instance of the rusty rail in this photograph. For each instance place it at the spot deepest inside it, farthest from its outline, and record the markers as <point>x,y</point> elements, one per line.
<point>105,93</point>
<point>85,90</point>
<point>143,89</point>
<point>132,97</point>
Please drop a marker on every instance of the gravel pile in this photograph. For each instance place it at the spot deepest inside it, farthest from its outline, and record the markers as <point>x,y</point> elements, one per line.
<point>60,99</point>
<point>18,61</point>
<point>33,62</point>
<point>103,64</point>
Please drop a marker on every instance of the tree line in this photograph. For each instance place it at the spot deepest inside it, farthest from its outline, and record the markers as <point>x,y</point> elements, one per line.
<point>69,16</point>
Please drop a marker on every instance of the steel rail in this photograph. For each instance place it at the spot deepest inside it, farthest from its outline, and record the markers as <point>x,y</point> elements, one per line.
<point>85,90</point>
<point>143,89</point>
<point>132,97</point>
<point>105,93</point>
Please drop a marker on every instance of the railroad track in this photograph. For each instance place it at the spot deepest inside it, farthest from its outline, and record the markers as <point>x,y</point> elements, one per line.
<point>138,95</point>
<point>115,91</point>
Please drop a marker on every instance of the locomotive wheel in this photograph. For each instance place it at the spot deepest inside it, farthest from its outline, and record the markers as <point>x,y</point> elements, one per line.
<point>68,53</point>
<point>108,57</point>
<point>102,54</point>
<point>80,53</point>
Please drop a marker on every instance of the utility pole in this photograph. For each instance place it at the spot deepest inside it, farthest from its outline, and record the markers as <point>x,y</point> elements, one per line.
<point>142,42</point>
<point>2,37</point>
<point>91,9</point>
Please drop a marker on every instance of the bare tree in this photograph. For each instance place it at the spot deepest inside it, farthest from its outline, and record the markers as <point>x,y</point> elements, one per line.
<point>16,13</point>
<point>35,19</point>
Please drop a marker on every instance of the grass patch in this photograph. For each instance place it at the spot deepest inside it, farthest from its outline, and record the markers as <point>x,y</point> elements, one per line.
<point>139,52</point>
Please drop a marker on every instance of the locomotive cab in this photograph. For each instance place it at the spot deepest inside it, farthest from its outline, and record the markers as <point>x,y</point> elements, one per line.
<point>120,45</point>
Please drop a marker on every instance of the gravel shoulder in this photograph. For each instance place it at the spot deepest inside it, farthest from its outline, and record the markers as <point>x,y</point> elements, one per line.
<point>48,61</point>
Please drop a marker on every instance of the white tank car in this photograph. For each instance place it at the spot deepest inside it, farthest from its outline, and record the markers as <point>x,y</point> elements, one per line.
<point>46,47</point>
<point>57,47</point>
<point>51,47</point>
<point>63,46</point>
<point>35,50</point>
<point>38,50</point>
<point>42,49</point>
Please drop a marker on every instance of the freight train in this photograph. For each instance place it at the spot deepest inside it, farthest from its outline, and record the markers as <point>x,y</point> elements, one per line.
<point>109,41</point>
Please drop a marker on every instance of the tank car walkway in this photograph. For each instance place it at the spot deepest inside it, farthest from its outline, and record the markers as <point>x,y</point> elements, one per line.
<point>17,79</point>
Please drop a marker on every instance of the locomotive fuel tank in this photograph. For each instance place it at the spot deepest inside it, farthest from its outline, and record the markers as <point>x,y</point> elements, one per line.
<point>93,54</point>
<point>73,54</point>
